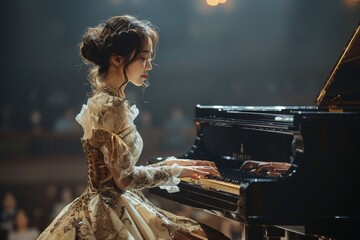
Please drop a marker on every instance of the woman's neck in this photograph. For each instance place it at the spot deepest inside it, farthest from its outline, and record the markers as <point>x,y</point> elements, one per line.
<point>114,81</point>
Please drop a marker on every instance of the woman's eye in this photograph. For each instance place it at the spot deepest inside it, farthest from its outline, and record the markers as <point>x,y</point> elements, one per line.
<point>146,58</point>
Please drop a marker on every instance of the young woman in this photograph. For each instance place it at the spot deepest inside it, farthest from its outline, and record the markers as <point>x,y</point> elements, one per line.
<point>112,206</point>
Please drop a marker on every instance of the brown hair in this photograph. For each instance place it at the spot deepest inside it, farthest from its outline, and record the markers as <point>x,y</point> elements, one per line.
<point>124,35</point>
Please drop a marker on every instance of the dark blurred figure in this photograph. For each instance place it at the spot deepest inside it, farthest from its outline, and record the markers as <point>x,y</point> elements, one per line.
<point>8,212</point>
<point>66,122</point>
<point>66,196</point>
<point>23,229</point>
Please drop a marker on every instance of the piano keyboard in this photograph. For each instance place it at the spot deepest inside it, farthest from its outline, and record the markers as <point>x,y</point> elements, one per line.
<point>216,183</point>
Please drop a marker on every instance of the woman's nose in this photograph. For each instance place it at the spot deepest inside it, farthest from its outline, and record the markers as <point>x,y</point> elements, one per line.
<point>148,66</point>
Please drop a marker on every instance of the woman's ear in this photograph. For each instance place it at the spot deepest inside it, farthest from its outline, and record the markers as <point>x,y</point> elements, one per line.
<point>117,60</point>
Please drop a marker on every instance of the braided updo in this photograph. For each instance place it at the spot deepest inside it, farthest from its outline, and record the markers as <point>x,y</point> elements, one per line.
<point>124,36</point>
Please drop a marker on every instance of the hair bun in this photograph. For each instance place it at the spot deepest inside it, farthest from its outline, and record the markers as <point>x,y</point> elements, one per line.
<point>91,46</point>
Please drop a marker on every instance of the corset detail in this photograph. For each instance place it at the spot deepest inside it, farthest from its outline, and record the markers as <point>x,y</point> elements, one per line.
<point>99,176</point>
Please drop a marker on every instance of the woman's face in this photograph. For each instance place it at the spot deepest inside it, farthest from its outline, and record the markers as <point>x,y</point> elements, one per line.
<point>137,71</point>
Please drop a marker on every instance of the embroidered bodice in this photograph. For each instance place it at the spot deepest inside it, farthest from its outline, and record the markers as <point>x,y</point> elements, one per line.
<point>113,146</point>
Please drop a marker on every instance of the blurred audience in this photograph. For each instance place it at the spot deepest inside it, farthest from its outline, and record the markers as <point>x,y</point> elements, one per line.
<point>66,196</point>
<point>67,123</point>
<point>23,230</point>
<point>8,211</point>
<point>58,97</point>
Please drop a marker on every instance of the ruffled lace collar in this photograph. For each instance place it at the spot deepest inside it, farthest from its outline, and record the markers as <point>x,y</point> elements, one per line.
<point>87,119</point>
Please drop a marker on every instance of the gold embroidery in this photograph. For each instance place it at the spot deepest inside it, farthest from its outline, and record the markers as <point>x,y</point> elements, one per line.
<point>99,176</point>
<point>104,228</point>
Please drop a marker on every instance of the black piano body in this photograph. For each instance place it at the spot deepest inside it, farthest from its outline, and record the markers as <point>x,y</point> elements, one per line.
<point>320,194</point>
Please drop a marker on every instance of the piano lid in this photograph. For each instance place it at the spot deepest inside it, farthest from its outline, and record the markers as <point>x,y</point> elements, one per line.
<point>342,88</point>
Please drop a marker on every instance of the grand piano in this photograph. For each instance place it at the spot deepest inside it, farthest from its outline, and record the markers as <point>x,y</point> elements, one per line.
<point>318,195</point>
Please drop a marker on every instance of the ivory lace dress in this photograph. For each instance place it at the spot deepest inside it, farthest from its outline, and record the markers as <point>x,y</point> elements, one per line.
<point>105,211</point>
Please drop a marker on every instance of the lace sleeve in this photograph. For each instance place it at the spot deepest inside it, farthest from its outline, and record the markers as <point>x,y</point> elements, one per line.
<point>123,145</point>
<point>120,160</point>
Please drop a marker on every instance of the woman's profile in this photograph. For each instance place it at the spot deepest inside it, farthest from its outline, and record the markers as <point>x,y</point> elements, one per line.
<point>119,51</point>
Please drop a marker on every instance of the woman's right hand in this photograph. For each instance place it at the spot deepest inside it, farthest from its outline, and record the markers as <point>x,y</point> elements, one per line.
<point>189,162</point>
<point>197,172</point>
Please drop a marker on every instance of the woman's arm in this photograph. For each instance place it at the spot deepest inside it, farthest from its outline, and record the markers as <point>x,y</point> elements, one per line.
<point>122,147</point>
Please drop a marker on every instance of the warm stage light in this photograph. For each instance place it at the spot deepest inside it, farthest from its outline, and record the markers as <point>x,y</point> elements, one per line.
<point>351,3</point>
<point>212,3</point>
